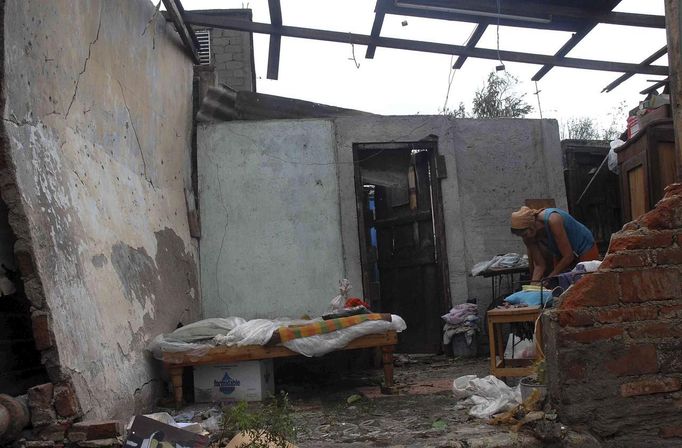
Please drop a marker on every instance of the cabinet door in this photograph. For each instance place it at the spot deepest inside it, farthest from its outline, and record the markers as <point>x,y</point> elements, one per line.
<point>634,189</point>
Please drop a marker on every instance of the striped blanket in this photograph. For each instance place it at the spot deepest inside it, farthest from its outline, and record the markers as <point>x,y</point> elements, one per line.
<point>326,326</point>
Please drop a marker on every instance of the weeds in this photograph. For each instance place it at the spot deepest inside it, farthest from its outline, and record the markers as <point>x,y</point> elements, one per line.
<point>270,425</point>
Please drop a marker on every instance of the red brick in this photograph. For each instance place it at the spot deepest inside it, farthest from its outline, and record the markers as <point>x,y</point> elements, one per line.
<point>637,360</point>
<point>650,284</point>
<point>24,262</point>
<point>96,430</point>
<point>650,386</point>
<point>671,311</point>
<point>575,371</point>
<point>595,290</point>
<point>671,255</point>
<point>673,190</point>
<point>670,432</point>
<point>655,330</point>
<point>634,240</point>
<point>41,395</point>
<point>42,333</point>
<point>629,314</point>
<point>626,260</point>
<point>575,318</point>
<point>595,334</point>
<point>666,215</point>
<point>65,401</point>
<point>55,432</point>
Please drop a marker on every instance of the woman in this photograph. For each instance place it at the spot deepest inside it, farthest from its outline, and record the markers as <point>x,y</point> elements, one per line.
<point>553,229</point>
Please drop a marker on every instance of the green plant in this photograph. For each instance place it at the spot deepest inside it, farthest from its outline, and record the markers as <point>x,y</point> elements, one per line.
<point>271,425</point>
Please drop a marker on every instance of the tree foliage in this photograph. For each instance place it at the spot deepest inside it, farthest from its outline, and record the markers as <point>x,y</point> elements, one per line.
<point>582,128</point>
<point>498,98</point>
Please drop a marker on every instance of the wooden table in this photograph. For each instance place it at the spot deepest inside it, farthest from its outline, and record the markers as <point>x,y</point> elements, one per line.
<point>497,316</point>
<point>174,362</point>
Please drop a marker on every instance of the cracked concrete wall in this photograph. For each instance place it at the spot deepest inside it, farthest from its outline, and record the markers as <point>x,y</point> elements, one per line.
<point>493,166</point>
<point>271,242</point>
<point>97,122</point>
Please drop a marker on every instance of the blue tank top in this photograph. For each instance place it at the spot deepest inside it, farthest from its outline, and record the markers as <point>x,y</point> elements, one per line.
<point>579,236</point>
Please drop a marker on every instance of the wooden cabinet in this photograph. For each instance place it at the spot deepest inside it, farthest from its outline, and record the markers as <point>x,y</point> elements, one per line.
<point>647,165</point>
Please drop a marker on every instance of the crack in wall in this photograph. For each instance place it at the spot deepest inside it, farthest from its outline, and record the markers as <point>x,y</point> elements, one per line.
<point>85,64</point>
<point>141,388</point>
<point>139,145</point>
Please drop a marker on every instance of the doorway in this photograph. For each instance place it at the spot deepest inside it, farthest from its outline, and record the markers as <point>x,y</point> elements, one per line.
<point>402,237</point>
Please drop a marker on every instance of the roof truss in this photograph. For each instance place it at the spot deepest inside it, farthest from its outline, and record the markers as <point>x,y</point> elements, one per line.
<point>577,16</point>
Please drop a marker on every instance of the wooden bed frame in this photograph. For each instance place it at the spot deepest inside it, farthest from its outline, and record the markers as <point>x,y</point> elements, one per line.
<point>174,362</point>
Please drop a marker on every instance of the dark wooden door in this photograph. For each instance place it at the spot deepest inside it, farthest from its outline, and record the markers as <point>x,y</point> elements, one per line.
<point>409,275</point>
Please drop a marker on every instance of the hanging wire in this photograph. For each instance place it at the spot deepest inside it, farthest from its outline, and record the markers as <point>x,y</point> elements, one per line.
<point>452,71</point>
<point>537,93</point>
<point>499,58</point>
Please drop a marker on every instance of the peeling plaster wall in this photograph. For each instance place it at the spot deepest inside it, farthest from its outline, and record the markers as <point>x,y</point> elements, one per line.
<point>97,116</point>
<point>493,166</point>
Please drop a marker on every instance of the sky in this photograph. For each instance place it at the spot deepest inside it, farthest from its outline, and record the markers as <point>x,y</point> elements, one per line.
<point>401,82</point>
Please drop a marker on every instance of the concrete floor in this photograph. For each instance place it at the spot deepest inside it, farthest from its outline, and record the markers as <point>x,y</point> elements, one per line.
<point>344,408</point>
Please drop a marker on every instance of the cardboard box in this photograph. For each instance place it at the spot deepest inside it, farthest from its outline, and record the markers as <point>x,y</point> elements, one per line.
<point>242,381</point>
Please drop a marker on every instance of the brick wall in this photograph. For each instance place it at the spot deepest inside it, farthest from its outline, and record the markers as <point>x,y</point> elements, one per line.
<point>231,54</point>
<point>613,344</point>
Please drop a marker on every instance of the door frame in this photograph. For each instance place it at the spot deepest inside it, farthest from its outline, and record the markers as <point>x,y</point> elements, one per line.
<point>437,172</point>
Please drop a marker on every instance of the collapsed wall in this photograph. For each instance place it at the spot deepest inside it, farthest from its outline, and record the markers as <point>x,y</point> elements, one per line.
<point>613,345</point>
<point>97,110</point>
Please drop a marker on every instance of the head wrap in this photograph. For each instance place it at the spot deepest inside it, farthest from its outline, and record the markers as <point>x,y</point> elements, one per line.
<point>523,218</point>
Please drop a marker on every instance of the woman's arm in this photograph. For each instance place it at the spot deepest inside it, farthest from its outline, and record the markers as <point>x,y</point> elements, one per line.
<point>536,262</point>
<point>556,226</point>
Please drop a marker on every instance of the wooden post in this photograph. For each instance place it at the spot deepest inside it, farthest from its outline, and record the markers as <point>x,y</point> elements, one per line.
<point>673,23</point>
<point>176,379</point>
<point>387,351</point>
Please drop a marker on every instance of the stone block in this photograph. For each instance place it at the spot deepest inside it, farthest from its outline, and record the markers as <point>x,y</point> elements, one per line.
<point>65,401</point>
<point>671,255</point>
<point>596,290</point>
<point>41,396</point>
<point>621,260</point>
<point>592,335</point>
<point>39,444</point>
<point>655,330</point>
<point>636,360</point>
<point>55,432</point>
<point>670,432</point>
<point>235,65</point>
<point>650,386</point>
<point>627,314</point>
<point>666,215</point>
<point>24,262</point>
<point>95,430</point>
<point>650,284</point>
<point>42,333</point>
<point>103,443</point>
<point>575,318</point>
<point>636,240</point>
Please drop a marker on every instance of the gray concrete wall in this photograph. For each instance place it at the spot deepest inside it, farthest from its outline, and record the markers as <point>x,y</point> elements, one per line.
<point>97,124</point>
<point>231,53</point>
<point>271,241</point>
<point>493,166</point>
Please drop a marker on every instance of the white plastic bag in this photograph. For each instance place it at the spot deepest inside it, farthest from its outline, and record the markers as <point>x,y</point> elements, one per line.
<point>489,395</point>
<point>612,160</point>
<point>339,302</point>
<point>518,348</point>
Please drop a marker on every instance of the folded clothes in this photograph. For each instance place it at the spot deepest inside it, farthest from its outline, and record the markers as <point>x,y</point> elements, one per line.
<point>531,298</point>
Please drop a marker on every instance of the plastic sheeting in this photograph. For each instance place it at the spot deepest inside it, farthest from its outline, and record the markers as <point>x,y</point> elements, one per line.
<point>259,332</point>
<point>489,395</point>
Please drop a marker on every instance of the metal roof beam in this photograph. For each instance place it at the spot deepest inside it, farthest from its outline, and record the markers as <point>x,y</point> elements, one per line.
<point>376,27</point>
<point>186,34</point>
<point>275,40</point>
<point>471,43</point>
<point>429,47</point>
<point>626,76</point>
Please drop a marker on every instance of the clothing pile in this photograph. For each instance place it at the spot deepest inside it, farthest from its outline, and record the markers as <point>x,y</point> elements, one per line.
<point>506,261</point>
<point>462,319</point>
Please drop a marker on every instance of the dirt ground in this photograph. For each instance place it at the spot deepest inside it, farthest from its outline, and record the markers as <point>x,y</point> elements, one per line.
<point>343,407</point>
